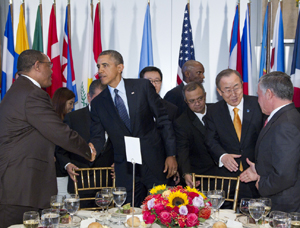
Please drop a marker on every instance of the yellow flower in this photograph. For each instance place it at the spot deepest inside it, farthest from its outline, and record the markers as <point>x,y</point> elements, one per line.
<point>166,194</point>
<point>158,188</point>
<point>189,189</point>
<point>178,199</point>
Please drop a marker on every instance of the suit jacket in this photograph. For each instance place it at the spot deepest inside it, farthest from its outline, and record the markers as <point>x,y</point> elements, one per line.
<point>222,138</point>
<point>175,96</point>
<point>144,105</point>
<point>278,160</point>
<point>80,121</point>
<point>30,129</point>
<point>192,154</point>
<point>172,110</point>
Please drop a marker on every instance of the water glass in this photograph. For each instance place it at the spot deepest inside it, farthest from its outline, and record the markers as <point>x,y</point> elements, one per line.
<point>256,209</point>
<point>217,198</point>
<point>295,219</point>
<point>50,217</point>
<point>31,219</point>
<point>119,195</point>
<point>57,202</point>
<point>281,220</point>
<point>268,204</point>
<point>244,207</point>
<point>72,202</point>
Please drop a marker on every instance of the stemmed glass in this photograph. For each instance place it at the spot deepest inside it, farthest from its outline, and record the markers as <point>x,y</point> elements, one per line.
<point>50,217</point>
<point>268,204</point>
<point>72,202</point>
<point>281,220</point>
<point>57,202</point>
<point>244,207</point>
<point>256,209</point>
<point>120,195</point>
<point>217,198</point>
<point>103,198</point>
<point>31,219</point>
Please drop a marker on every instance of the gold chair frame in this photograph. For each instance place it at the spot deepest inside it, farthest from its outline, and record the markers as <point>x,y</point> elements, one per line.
<point>216,178</point>
<point>87,186</point>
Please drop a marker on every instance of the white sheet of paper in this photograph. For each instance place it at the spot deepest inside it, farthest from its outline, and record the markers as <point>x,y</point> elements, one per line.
<point>133,149</point>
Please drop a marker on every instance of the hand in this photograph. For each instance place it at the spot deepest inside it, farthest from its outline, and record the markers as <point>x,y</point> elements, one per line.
<point>70,169</point>
<point>249,174</point>
<point>176,178</point>
<point>113,175</point>
<point>189,180</point>
<point>94,152</point>
<point>170,166</point>
<point>229,162</point>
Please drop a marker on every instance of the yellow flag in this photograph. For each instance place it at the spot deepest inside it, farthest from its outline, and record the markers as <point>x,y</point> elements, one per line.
<point>22,37</point>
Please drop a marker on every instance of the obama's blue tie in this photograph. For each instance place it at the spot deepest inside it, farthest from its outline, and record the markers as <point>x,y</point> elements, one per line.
<point>122,109</point>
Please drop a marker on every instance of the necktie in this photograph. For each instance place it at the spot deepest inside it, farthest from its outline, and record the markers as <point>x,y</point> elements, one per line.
<point>238,129</point>
<point>122,109</point>
<point>266,122</point>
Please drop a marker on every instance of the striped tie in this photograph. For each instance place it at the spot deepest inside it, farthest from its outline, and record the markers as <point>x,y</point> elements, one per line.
<point>122,109</point>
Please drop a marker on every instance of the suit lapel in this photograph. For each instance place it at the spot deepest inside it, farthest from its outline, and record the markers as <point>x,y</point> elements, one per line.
<point>196,122</point>
<point>247,116</point>
<point>131,99</point>
<point>227,121</point>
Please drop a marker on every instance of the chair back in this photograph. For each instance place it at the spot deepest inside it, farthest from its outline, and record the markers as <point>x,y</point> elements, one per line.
<point>93,179</point>
<point>227,182</point>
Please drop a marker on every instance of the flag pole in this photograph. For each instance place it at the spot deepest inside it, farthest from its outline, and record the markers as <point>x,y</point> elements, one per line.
<point>92,9</point>
<point>249,9</point>
<point>99,3</point>
<point>188,3</point>
<point>23,5</point>
<point>69,20</point>
<point>268,36</point>
<point>41,15</point>
<point>11,12</point>
<point>54,7</point>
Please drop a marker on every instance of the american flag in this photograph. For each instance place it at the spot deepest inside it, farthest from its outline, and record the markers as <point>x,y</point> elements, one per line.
<point>186,51</point>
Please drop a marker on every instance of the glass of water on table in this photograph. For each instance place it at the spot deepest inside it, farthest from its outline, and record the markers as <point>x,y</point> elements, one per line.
<point>119,195</point>
<point>256,209</point>
<point>72,202</point>
<point>31,219</point>
<point>50,217</point>
<point>217,198</point>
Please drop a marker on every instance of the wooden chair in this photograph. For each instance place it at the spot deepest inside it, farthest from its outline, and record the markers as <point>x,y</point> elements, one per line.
<point>217,180</point>
<point>93,181</point>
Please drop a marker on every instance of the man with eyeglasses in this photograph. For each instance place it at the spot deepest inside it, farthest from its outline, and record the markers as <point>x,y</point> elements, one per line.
<point>193,156</point>
<point>154,75</point>
<point>192,71</point>
<point>233,126</point>
<point>30,129</point>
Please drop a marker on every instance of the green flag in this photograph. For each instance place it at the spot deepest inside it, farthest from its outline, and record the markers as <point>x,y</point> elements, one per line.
<point>38,34</point>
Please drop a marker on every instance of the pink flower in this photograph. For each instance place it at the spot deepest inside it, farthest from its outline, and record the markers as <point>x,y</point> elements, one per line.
<point>165,217</point>
<point>158,208</point>
<point>148,218</point>
<point>192,209</point>
<point>192,220</point>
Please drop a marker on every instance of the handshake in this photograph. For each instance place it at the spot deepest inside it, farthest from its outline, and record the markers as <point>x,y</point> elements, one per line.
<point>93,152</point>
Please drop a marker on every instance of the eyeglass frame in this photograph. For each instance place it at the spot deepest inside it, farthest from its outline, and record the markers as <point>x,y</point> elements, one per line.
<point>156,81</point>
<point>230,91</point>
<point>51,63</point>
<point>194,101</point>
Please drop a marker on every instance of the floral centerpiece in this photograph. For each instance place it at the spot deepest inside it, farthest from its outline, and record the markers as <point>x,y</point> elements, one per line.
<point>176,206</point>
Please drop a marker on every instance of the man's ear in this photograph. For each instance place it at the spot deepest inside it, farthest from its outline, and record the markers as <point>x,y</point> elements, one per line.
<point>219,91</point>
<point>269,94</point>
<point>120,68</point>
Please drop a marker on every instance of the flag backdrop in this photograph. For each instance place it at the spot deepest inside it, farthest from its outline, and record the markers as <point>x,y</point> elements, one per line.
<point>247,57</point>
<point>54,55</point>
<point>235,54</point>
<point>8,56</point>
<point>295,69</point>
<point>88,63</point>
<point>97,45</point>
<point>21,39</point>
<point>186,51</point>
<point>146,58</point>
<point>67,61</point>
<point>263,55</point>
<point>277,54</point>
<point>38,33</point>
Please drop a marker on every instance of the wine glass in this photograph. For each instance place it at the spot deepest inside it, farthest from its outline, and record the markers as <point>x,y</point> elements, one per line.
<point>31,219</point>
<point>119,195</point>
<point>244,207</point>
<point>268,204</point>
<point>295,219</point>
<point>216,198</point>
<point>281,220</point>
<point>256,209</point>
<point>108,192</point>
<point>57,202</point>
<point>50,217</point>
<point>72,202</point>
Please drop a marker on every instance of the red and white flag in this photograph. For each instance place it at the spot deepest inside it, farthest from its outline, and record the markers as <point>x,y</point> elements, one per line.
<point>97,45</point>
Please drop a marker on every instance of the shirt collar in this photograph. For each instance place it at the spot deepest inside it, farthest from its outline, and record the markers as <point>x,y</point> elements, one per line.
<point>32,80</point>
<point>240,106</point>
<point>276,110</point>
<point>120,87</point>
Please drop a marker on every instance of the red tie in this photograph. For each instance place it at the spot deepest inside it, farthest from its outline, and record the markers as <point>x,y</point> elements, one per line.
<point>266,122</point>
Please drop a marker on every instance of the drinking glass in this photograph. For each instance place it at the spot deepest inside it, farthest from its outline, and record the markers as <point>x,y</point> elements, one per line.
<point>31,219</point>
<point>217,198</point>
<point>119,195</point>
<point>72,202</point>
<point>272,213</point>
<point>108,192</point>
<point>281,220</point>
<point>57,202</point>
<point>268,204</point>
<point>244,207</point>
<point>295,219</point>
<point>50,217</point>
<point>256,209</point>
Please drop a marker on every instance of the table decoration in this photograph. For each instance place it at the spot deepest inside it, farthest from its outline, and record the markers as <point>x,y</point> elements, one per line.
<point>175,206</point>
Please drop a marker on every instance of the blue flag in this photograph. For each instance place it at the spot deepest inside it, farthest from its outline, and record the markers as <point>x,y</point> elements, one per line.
<point>263,55</point>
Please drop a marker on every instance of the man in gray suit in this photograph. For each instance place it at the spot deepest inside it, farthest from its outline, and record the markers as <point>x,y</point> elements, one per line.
<point>276,169</point>
<point>30,128</point>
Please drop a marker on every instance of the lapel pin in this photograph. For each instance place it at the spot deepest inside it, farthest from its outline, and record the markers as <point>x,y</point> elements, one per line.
<point>132,92</point>
<point>248,110</point>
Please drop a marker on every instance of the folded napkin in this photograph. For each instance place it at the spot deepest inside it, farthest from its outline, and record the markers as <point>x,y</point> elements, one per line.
<point>84,213</point>
<point>86,222</point>
<point>233,224</point>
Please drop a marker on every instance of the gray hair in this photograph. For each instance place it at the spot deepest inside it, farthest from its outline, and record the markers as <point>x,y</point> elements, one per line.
<point>279,83</point>
<point>191,87</point>
<point>226,73</point>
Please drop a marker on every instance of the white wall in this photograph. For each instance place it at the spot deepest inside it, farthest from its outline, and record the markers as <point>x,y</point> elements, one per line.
<point>122,26</point>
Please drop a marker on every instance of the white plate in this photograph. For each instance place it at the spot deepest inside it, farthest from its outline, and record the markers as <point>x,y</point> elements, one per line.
<point>17,226</point>
<point>243,219</point>
<point>114,212</point>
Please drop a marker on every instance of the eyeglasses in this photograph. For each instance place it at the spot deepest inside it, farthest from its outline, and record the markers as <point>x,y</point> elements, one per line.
<point>228,92</point>
<point>194,101</point>
<point>50,63</point>
<point>155,81</point>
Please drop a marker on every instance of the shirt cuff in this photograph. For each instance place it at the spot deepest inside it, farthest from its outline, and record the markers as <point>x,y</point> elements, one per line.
<point>67,165</point>
<point>220,163</point>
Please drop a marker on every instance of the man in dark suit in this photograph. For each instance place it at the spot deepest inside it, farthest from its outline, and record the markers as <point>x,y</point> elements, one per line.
<point>30,128</point>
<point>193,156</point>
<point>277,164</point>
<point>155,76</point>
<point>128,107</point>
<point>233,125</point>
<point>192,71</point>
<point>80,121</point>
